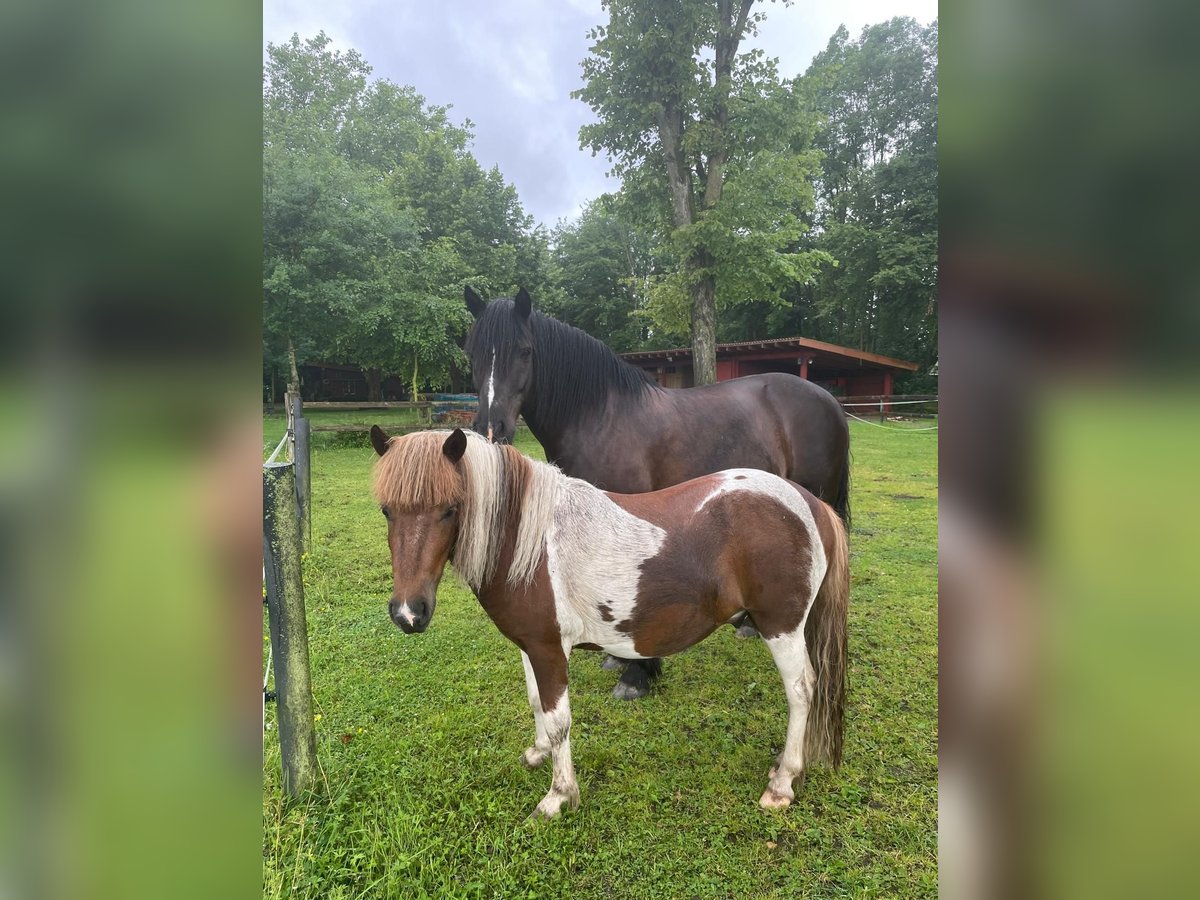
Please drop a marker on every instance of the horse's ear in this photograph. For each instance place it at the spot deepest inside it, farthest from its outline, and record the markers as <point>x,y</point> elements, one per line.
<point>455,446</point>
<point>523,303</point>
<point>379,440</point>
<point>475,303</point>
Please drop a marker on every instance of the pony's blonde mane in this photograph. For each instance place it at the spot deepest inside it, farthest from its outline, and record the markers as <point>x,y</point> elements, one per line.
<point>495,488</point>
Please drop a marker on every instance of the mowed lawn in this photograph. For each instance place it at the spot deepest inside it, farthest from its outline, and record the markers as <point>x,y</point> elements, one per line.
<point>419,736</point>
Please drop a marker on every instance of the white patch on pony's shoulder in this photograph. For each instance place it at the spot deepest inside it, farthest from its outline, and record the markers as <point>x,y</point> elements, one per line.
<point>594,556</point>
<point>756,481</point>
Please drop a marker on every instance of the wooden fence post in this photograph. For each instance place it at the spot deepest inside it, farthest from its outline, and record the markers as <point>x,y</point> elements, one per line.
<point>289,629</point>
<point>304,479</point>
<point>302,457</point>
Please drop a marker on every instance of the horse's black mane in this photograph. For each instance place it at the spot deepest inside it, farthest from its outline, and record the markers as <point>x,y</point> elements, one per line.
<point>573,372</point>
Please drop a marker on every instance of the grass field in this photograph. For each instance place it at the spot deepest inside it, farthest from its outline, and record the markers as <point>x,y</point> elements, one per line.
<point>419,736</point>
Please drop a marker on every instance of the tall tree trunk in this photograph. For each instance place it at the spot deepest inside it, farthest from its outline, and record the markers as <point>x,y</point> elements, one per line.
<point>711,174</point>
<point>374,385</point>
<point>414,378</point>
<point>704,322</point>
<point>294,384</point>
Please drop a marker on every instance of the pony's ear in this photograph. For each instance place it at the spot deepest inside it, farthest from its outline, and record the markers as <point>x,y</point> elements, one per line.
<point>475,303</point>
<point>523,303</point>
<point>379,440</point>
<point>455,446</point>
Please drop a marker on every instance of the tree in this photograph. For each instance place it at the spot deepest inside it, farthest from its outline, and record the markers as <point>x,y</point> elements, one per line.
<point>673,96</point>
<point>603,266</point>
<point>375,217</point>
<point>877,192</point>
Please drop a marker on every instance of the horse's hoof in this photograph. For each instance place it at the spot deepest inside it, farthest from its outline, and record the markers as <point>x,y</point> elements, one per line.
<point>747,630</point>
<point>772,800</point>
<point>625,691</point>
<point>532,758</point>
<point>612,663</point>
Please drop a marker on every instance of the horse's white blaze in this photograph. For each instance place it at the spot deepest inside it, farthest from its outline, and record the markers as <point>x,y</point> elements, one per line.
<point>756,481</point>
<point>491,385</point>
<point>406,614</point>
<point>594,555</point>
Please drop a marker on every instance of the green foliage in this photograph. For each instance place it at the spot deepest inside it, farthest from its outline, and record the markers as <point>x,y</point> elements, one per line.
<point>375,216</point>
<point>729,209</point>
<point>603,263</point>
<point>876,193</point>
<point>423,796</point>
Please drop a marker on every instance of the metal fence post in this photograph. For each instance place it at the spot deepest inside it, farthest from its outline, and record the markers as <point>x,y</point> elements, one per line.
<point>289,629</point>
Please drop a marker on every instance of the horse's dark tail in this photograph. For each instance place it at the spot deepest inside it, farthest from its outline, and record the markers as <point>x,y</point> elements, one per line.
<point>841,500</point>
<point>825,637</point>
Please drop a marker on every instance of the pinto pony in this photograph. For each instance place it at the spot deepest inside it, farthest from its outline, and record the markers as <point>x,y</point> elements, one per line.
<point>557,564</point>
<point>607,422</point>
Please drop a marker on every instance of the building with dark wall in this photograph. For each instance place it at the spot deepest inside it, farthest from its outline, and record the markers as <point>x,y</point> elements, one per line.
<point>840,370</point>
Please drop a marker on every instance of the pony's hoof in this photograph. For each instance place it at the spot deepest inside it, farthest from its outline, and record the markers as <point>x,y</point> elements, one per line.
<point>625,691</point>
<point>612,663</point>
<point>747,630</point>
<point>772,800</point>
<point>552,805</point>
<point>532,758</point>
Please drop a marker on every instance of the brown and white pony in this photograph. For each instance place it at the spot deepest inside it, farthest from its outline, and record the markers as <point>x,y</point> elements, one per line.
<point>558,564</point>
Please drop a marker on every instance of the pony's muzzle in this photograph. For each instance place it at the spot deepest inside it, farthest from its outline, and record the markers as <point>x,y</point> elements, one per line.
<point>411,616</point>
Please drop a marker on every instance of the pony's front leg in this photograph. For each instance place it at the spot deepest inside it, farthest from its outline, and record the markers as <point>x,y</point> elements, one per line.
<point>535,755</point>
<point>550,672</point>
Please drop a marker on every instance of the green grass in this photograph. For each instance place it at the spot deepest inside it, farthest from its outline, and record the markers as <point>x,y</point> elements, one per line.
<point>419,736</point>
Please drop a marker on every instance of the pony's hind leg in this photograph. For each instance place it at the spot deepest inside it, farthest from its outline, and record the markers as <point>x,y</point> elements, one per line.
<point>799,679</point>
<point>535,755</point>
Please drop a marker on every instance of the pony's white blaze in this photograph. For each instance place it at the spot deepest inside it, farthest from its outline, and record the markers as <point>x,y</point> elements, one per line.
<point>756,481</point>
<point>594,555</point>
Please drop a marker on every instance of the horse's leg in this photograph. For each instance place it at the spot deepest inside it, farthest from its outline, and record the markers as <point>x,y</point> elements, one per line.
<point>744,625</point>
<point>638,676</point>
<point>535,755</point>
<point>613,662</point>
<point>550,671</point>
<point>799,680</point>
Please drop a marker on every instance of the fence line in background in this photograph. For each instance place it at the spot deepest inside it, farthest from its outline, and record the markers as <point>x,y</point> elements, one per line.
<point>890,427</point>
<point>888,402</point>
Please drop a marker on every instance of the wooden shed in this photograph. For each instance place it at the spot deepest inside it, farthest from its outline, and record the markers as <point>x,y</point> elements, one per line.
<point>844,372</point>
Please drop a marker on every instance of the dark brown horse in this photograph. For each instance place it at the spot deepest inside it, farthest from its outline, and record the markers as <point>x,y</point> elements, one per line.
<point>558,564</point>
<point>600,419</point>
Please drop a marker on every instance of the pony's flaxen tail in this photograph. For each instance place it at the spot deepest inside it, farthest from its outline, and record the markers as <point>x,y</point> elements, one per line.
<point>825,637</point>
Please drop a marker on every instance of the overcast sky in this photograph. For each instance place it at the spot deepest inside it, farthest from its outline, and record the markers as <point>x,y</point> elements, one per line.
<point>510,68</point>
